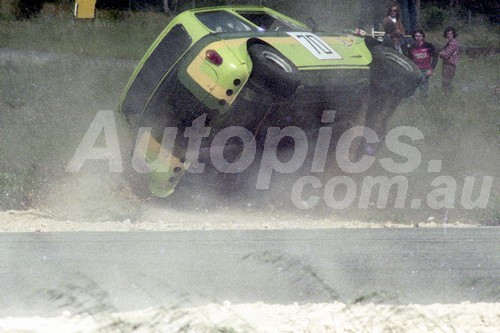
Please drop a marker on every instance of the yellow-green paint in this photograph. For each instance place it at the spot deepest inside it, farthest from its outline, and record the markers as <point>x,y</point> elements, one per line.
<point>163,168</point>
<point>204,74</point>
<point>353,55</point>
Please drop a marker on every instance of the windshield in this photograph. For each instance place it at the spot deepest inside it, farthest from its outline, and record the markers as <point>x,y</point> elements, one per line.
<point>223,21</point>
<point>267,22</point>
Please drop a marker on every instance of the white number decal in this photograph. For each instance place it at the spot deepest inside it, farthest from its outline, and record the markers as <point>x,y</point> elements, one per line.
<point>315,45</point>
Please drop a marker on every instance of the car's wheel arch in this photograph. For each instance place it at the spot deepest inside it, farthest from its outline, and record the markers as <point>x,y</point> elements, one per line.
<point>285,82</point>
<point>253,41</point>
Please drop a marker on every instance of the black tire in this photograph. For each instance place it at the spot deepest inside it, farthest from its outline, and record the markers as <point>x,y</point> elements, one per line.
<point>170,6</point>
<point>382,106</point>
<point>273,71</point>
<point>391,72</point>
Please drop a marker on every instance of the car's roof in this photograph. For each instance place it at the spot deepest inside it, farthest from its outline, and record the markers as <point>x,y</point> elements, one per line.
<point>246,8</point>
<point>231,8</point>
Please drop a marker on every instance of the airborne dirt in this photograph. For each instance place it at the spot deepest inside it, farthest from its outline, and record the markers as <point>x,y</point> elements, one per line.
<point>93,201</point>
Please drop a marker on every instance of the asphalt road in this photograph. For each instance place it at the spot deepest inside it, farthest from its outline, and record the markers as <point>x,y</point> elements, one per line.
<point>46,273</point>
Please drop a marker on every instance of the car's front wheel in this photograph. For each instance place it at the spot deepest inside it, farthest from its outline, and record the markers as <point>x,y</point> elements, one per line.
<point>392,72</point>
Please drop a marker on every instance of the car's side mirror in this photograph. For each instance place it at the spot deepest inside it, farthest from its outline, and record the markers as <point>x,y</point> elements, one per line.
<point>311,24</point>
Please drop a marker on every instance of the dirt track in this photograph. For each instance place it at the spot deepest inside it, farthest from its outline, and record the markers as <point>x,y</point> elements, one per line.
<point>260,317</point>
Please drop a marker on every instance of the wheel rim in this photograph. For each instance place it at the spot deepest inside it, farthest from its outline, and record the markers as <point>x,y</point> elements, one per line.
<point>401,62</point>
<point>278,61</point>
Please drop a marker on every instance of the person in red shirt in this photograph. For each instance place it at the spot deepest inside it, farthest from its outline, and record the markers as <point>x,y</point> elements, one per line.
<point>425,56</point>
<point>450,56</point>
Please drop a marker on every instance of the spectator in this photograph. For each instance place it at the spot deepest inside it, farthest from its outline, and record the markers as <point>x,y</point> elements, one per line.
<point>392,22</point>
<point>408,14</point>
<point>424,55</point>
<point>450,56</point>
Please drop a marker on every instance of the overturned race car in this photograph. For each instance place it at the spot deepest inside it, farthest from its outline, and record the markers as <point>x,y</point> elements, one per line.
<point>219,80</point>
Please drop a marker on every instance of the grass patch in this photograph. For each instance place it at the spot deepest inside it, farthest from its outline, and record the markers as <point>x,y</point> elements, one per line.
<point>126,37</point>
<point>482,35</point>
<point>463,130</point>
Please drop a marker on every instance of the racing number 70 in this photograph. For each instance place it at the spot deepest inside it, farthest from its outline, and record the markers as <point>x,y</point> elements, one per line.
<point>317,44</point>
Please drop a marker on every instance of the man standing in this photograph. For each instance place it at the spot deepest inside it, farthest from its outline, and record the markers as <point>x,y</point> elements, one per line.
<point>424,55</point>
<point>392,22</point>
<point>409,14</point>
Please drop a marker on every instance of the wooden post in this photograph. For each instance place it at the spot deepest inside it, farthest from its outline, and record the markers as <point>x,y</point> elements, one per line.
<point>85,9</point>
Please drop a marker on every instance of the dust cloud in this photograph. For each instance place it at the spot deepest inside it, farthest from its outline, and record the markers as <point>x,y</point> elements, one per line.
<point>43,124</point>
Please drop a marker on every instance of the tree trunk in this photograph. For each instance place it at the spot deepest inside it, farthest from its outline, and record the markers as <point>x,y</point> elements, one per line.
<point>417,6</point>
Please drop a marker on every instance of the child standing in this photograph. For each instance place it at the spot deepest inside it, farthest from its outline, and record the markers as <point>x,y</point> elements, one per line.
<point>450,56</point>
<point>424,55</point>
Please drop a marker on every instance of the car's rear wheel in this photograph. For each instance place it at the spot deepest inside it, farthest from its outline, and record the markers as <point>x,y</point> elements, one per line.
<point>170,6</point>
<point>392,72</point>
<point>273,71</point>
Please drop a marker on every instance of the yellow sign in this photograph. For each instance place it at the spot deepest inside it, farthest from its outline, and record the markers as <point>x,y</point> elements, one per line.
<point>85,9</point>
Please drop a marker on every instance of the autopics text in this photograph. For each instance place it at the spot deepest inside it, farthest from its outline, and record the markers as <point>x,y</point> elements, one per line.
<point>409,159</point>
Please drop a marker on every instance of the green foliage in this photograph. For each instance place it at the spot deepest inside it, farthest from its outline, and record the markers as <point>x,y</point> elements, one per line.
<point>112,15</point>
<point>489,8</point>
<point>9,9</point>
<point>433,18</point>
<point>20,9</point>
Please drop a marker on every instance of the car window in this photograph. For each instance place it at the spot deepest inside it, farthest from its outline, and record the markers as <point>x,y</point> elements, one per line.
<point>158,64</point>
<point>267,22</point>
<point>175,43</point>
<point>223,21</point>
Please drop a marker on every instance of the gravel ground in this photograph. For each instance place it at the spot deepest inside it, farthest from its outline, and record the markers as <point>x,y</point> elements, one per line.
<point>260,317</point>
<point>155,219</point>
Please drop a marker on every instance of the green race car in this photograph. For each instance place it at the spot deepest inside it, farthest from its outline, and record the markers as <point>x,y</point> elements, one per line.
<point>254,68</point>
